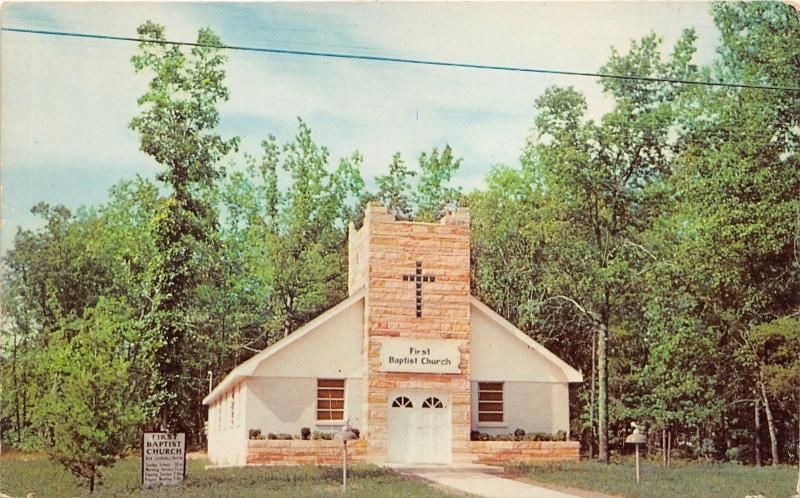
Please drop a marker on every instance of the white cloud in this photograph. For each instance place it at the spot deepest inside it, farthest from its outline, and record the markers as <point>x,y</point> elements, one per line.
<point>67,102</point>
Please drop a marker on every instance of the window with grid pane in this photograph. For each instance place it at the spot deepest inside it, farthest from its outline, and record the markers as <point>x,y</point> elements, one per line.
<point>330,399</point>
<point>490,401</point>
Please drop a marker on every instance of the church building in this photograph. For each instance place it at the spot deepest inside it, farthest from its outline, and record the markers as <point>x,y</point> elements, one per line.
<point>411,359</point>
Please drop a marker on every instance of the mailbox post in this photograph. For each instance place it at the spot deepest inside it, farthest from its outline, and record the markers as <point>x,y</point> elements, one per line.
<point>637,439</point>
<point>344,436</point>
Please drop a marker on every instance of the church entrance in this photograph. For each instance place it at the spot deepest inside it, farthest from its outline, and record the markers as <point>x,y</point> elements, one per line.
<point>418,428</point>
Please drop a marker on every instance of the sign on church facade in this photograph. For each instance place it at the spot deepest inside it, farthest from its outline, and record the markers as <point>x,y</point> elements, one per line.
<point>403,355</point>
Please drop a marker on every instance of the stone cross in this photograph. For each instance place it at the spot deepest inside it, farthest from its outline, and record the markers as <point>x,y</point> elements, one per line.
<point>418,278</point>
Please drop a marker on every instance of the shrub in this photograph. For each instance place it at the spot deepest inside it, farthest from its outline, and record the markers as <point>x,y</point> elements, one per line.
<point>305,432</point>
<point>253,433</point>
<point>357,433</point>
<point>271,436</point>
<point>283,436</point>
<point>518,435</point>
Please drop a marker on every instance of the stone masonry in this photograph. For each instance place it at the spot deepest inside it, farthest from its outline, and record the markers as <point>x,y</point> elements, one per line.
<point>380,253</point>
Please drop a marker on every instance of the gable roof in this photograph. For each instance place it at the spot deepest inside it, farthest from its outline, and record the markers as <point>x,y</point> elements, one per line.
<point>248,367</point>
<point>570,373</point>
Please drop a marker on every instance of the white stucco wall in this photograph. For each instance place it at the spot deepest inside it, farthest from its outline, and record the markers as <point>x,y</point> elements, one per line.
<point>281,393</point>
<point>332,350</point>
<point>535,390</point>
<point>498,355</point>
<point>287,404</point>
<point>530,406</point>
<point>227,432</point>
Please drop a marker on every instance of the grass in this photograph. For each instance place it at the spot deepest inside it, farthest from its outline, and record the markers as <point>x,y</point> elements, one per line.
<point>20,475</point>
<point>682,479</point>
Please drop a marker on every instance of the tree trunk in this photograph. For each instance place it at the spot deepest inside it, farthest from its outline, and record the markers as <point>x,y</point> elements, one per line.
<point>91,484</point>
<point>773,438</point>
<point>726,436</point>
<point>758,432</point>
<point>664,445</point>
<point>797,489</point>
<point>592,433</point>
<point>17,411</point>
<point>602,393</point>
<point>669,446</point>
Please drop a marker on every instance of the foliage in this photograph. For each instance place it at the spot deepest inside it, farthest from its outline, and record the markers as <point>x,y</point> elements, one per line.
<point>177,128</point>
<point>54,277</point>
<point>394,188</point>
<point>598,190</point>
<point>291,243</point>
<point>432,196</point>
<point>519,435</point>
<point>89,416</point>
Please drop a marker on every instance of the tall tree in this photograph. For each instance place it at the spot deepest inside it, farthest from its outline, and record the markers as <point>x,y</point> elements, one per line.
<point>429,198</point>
<point>291,242</point>
<point>434,195</point>
<point>602,183</point>
<point>177,128</point>
<point>394,189</point>
<point>738,178</point>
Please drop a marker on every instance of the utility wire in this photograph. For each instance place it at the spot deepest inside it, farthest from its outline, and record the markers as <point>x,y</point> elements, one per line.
<point>424,62</point>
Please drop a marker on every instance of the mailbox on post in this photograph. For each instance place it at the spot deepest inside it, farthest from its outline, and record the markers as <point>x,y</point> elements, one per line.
<point>637,439</point>
<point>344,436</point>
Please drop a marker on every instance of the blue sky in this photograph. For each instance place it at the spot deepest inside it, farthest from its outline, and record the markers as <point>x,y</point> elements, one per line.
<point>66,103</point>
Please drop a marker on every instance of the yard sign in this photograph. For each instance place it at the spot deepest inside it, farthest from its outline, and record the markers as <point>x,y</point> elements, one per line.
<point>163,458</point>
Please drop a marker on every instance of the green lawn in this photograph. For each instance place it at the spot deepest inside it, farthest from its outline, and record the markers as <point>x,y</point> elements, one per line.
<point>18,477</point>
<point>682,479</point>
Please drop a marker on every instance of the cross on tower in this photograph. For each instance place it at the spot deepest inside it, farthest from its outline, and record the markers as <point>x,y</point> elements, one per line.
<point>418,277</point>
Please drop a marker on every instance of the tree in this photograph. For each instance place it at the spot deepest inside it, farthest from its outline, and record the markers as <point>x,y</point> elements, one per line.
<point>602,186</point>
<point>394,189</point>
<point>90,413</point>
<point>737,178</point>
<point>776,345</point>
<point>176,127</point>
<point>54,275</point>
<point>431,197</point>
<point>508,256</point>
<point>291,243</point>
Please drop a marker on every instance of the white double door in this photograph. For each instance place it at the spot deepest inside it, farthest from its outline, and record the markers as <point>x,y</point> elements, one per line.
<point>418,427</point>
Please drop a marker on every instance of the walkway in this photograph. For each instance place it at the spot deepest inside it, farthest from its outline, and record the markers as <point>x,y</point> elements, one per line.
<point>482,481</point>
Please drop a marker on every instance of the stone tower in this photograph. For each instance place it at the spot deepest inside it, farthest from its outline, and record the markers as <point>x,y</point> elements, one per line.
<point>417,318</point>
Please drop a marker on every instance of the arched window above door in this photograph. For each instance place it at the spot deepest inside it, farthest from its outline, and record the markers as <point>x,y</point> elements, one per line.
<point>432,402</point>
<point>402,402</point>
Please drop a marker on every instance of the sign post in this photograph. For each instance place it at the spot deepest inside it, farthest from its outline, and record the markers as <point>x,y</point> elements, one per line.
<point>163,458</point>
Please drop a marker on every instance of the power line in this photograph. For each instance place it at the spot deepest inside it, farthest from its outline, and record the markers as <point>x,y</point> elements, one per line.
<point>424,62</point>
